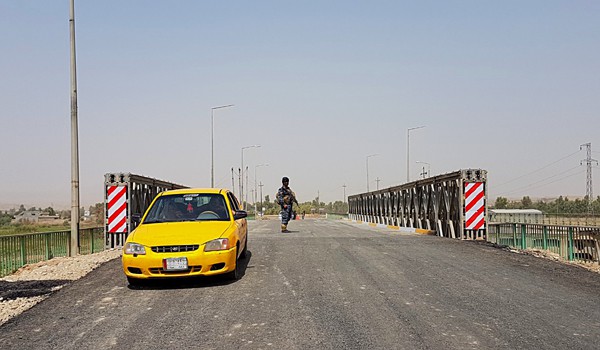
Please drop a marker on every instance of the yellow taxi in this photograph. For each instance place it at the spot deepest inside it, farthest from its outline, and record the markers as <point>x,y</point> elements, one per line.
<point>187,232</point>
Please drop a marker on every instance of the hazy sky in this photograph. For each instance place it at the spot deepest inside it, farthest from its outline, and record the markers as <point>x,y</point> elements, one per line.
<point>512,87</point>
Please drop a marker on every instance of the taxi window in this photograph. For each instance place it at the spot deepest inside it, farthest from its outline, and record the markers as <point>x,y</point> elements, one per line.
<point>234,203</point>
<point>188,207</point>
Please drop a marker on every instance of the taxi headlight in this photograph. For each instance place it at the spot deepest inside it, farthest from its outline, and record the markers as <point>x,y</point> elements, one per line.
<point>134,248</point>
<point>217,244</point>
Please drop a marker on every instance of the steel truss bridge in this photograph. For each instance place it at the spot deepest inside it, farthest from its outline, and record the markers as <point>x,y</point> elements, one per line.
<point>440,203</point>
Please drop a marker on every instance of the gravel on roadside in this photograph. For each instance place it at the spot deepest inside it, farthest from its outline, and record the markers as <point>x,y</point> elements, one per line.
<point>35,282</point>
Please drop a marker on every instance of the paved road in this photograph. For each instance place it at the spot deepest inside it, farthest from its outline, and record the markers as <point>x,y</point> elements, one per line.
<point>331,285</point>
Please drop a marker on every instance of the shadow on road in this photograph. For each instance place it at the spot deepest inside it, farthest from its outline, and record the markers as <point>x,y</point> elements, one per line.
<point>196,281</point>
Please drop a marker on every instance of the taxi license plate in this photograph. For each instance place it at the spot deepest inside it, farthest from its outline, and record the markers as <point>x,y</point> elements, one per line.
<point>175,264</point>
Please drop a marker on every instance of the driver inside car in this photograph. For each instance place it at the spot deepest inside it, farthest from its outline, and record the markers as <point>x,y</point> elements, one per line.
<point>172,212</point>
<point>217,206</point>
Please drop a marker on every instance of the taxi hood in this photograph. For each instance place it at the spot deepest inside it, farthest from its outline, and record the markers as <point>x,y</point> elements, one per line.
<point>178,233</point>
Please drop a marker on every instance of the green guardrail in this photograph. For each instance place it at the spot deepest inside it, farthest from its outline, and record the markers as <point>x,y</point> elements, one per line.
<point>570,242</point>
<point>19,250</point>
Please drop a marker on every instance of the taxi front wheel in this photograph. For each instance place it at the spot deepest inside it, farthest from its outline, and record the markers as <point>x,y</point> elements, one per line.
<point>235,274</point>
<point>244,253</point>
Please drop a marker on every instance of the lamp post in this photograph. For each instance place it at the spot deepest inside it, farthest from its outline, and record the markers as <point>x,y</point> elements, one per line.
<point>369,156</point>
<point>428,168</point>
<point>256,188</point>
<point>242,175</point>
<point>74,240</point>
<point>261,196</point>
<point>212,143</point>
<point>408,151</point>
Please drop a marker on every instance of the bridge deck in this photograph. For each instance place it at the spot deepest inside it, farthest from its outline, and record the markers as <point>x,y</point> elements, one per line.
<point>331,285</point>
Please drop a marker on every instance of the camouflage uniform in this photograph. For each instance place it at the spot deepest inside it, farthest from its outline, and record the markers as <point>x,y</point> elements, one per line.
<point>285,198</point>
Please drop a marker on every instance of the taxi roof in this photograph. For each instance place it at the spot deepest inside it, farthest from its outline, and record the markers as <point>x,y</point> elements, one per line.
<point>196,190</point>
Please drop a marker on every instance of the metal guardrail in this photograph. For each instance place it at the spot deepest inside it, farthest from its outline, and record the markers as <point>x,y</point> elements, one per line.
<point>570,242</point>
<point>437,203</point>
<point>19,250</point>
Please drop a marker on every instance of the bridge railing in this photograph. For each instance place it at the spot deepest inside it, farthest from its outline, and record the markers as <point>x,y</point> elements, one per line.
<point>569,242</point>
<point>29,248</point>
<point>453,205</point>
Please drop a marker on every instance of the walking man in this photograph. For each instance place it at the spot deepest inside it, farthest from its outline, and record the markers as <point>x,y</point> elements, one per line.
<point>285,198</point>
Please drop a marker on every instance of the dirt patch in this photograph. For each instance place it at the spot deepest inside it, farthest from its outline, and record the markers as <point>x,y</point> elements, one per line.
<point>33,283</point>
<point>539,253</point>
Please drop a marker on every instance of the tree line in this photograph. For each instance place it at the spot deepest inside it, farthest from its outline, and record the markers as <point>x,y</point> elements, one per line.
<point>311,207</point>
<point>560,205</point>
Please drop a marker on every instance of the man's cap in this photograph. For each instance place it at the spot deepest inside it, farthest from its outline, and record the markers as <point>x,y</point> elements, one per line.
<point>285,179</point>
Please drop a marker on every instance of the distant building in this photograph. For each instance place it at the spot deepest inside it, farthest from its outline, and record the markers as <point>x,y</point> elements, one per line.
<point>518,216</point>
<point>34,217</point>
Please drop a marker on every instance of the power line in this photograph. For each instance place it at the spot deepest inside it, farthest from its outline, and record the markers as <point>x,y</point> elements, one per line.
<point>535,171</point>
<point>543,180</point>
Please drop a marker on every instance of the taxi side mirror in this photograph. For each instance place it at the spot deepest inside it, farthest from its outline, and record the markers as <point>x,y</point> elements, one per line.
<point>239,214</point>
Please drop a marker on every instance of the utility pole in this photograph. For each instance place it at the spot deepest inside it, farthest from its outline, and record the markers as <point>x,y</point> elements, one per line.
<point>377,180</point>
<point>344,200</point>
<point>261,197</point>
<point>369,156</point>
<point>232,181</point>
<point>408,150</point>
<point>233,173</point>
<point>240,186</point>
<point>242,169</point>
<point>589,188</point>
<point>253,196</point>
<point>246,185</point>
<point>74,241</point>
<point>255,185</point>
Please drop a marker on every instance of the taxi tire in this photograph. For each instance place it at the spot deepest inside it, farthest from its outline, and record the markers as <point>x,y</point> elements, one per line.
<point>235,274</point>
<point>244,253</point>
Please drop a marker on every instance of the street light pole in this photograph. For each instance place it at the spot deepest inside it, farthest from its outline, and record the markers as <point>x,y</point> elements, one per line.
<point>408,151</point>
<point>246,184</point>
<point>256,188</point>
<point>369,156</point>
<point>74,241</point>
<point>212,143</point>
<point>242,175</point>
<point>261,196</point>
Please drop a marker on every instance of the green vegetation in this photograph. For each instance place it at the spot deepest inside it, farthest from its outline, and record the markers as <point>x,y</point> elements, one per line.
<point>558,206</point>
<point>312,207</point>
<point>5,219</point>
<point>8,228</point>
<point>16,229</point>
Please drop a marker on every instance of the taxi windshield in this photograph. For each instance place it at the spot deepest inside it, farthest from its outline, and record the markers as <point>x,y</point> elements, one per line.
<point>188,207</point>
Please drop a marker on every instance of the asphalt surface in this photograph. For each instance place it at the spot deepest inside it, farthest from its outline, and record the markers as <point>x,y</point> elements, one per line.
<point>330,285</point>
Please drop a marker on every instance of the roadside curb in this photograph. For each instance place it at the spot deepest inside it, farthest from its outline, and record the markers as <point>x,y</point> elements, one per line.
<point>398,228</point>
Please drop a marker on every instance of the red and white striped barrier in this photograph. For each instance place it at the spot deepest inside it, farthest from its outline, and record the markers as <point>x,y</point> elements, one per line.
<point>117,209</point>
<point>474,206</point>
